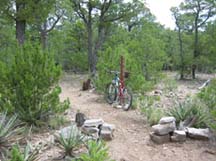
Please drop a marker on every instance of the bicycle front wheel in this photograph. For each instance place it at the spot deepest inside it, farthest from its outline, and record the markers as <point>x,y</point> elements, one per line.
<point>111,93</point>
<point>126,99</point>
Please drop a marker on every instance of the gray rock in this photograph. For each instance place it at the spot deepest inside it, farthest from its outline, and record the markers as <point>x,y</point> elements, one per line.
<point>107,126</point>
<point>165,120</point>
<point>194,133</point>
<point>93,123</point>
<point>106,134</point>
<point>164,129</point>
<point>178,136</point>
<point>89,130</point>
<point>160,139</point>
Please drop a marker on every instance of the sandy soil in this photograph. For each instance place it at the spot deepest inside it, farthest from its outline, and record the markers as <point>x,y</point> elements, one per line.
<point>131,141</point>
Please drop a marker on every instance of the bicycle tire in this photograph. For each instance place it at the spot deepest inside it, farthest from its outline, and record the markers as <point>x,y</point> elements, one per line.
<point>128,99</point>
<point>111,93</point>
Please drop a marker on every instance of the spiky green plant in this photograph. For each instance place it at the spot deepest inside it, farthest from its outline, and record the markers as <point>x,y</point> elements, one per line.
<point>72,140</point>
<point>28,154</point>
<point>191,108</point>
<point>97,151</point>
<point>9,127</point>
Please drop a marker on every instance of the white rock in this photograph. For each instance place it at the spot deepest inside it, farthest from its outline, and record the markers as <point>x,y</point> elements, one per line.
<point>198,133</point>
<point>107,126</point>
<point>163,129</point>
<point>178,136</point>
<point>106,134</point>
<point>93,122</point>
<point>165,120</point>
<point>89,130</point>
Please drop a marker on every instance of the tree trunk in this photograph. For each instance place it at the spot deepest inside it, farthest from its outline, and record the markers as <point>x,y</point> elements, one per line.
<point>195,49</point>
<point>43,34</point>
<point>20,24</point>
<point>181,54</point>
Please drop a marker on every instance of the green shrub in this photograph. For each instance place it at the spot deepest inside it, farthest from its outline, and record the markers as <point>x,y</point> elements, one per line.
<point>191,108</point>
<point>29,85</point>
<point>97,151</point>
<point>9,128</point>
<point>208,96</point>
<point>57,121</point>
<point>110,60</point>
<point>72,141</point>
<point>27,154</point>
<point>152,113</point>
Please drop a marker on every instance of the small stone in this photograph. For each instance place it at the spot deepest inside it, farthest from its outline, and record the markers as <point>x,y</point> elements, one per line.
<point>106,135</point>
<point>163,129</point>
<point>178,136</point>
<point>160,139</point>
<point>158,92</point>
<point>165,120</point>
<point>203,134</point>
<point>93,122</point>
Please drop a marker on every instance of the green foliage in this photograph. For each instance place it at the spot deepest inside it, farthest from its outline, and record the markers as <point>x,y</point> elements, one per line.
<point>71,140</point>
<point>57,121</point>
<point>29,85</point>
<point>27,154</point>
<point>207,95</point>
<point>97,151</point>
<point>169,84</point>
<point>149,109</point>
<point>8,130</point>
<point>191,108</point>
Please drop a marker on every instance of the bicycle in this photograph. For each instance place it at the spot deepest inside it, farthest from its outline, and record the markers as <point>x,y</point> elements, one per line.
<point>116,92</point>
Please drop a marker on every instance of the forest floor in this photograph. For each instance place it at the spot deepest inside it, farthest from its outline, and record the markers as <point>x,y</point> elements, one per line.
<point>131,138</point>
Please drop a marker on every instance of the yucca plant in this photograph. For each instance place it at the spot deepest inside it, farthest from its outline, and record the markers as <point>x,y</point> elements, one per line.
<point>191,108</point>
<point>28,153</point>
<point>70,141</point>
<point>9,128</point>
<point>97,151</point>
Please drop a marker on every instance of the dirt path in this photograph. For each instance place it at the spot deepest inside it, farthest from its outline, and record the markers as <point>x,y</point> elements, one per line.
<point>131,141</point>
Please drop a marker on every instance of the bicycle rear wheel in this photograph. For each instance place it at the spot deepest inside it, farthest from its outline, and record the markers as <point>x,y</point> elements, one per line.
<point>126,100</point>
<point>111,93</point>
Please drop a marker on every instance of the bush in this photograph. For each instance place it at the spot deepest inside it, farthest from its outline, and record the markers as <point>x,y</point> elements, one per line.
<point>74,140</point>
<point>152,113</point>
<point>191,108</point>
<point>28,154</point>
<point>57,121</point>
<point>29,85</point>
<point>97,151</point>
<point>208,96</point>
<point>8,129</point>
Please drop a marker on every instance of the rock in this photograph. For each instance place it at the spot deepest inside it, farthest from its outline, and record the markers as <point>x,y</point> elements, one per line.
<point>165,120</point>
<point>80,119</point>
<point>178,136</point>
<point>106,134</point>
<point>158,92</point>
<point>93,123</point>
<point>107,126</point>
<point>89,130</point>
<point>160,139</point>
<point>163,129</point>
<point>203,134</point>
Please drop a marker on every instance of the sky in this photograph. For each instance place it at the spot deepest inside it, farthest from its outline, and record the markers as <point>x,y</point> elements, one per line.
<point>161,9</point>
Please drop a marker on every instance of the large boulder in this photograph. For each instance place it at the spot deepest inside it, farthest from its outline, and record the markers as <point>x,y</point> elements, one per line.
<point>107,126</point>
<point>160,139</point>
<point>164,129</point>
<point>178,136</point>
<point>165,120</point>
<point>89,130</point>
<point>194,133</point>
<point>106,135</point>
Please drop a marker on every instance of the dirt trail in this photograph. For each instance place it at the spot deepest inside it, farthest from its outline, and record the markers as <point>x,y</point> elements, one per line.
<point>131,141</point>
